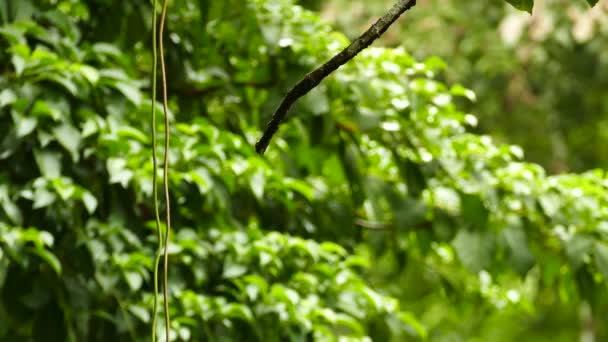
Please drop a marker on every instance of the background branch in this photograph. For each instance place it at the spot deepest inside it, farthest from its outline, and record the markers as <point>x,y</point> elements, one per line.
<point>315,77</point>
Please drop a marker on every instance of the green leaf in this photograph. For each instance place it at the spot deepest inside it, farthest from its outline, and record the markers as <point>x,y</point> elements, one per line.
<point>551,265</point>
<point>41,238</point>
<point>300,187</point>
<point>23,10</point>
<point>184,333</point>
<point>60,20</point>
<point>130,91</point>
<point>48,109</point>
<point>524,5</point>
<point>13,35</point>
<point>90,127</point>
<point>411,320</point>
<point>284,294</point>
<point>374,299</point>
<point>346,321</point>
<point>107,281</point>
<point>18,63</point>
<point>332,248</point>
<point>592,2</point>
<point>69,137</point>
<point>49,257</point>
<point>24,125</point>
<point>520,256</point>
<point>474,248</point>
<point>107,49</point>
<point>578,248</point>
<point>66,82</point>
<point>550,203</point>
<point>257,181</point>
<point>237,311</point>
<point>10,208</point>
<point>90,202</point>
<point>118,171</point>
<point>459,90</point>
<point>132,133</point>
<point>317,101</point>
<point>134,280</point>
<point>233,269</point>
<point>473,210</point>
<point>90,73</point>
<point>416,183</point>
<point>601,258</point>
<point>140,312</point>
<point>49,163</point>
<point>43,198</point>
<point>201,178</point>
<point>65,190</point>
<point>256,285</point>
<point>7,97</point>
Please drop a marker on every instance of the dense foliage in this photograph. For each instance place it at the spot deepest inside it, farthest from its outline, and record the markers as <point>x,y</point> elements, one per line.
<point>507,57</point>
<point>374,215</point>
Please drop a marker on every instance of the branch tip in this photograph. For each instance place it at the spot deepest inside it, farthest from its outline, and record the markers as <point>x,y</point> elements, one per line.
<point>312,79</point>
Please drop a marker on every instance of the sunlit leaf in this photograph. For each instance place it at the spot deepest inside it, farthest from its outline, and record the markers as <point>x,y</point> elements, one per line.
<point>7,96</point>
<point>69,137</point>
<point>411,320</point>
<point>89,73</point>
<point>140,312</point>
<point>257,182</point>
<point>43,198</point>
<point>118,172</point>
<point>134,279</point>
<point>233,269</point>
<point>24,125</point>
<point>9,206</point>
<point>524,5</point>
<point>90,202</point>
<point>49,163</point>
<point>299,186</point>
<point>130,91</point>
<point>49,258</point>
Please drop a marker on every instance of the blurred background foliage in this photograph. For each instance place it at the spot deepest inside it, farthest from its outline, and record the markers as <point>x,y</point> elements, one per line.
<point>382,211</point>
<point>540,79</point>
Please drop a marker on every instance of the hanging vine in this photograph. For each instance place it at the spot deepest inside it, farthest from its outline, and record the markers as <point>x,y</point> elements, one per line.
<point>163,70</point>
<point>163,243</point>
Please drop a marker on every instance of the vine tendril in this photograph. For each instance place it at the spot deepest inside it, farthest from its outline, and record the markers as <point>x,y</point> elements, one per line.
<point>163,15</point>
<point>154,174</point>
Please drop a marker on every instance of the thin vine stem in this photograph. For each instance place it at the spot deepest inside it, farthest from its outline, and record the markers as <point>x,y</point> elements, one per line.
<point>163,15</point>
<point>154,174</point>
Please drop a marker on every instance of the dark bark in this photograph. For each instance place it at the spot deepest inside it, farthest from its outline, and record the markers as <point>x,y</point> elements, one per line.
<point>315,77</point>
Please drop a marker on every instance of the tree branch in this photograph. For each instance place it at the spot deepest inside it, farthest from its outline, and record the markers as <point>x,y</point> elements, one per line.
<point>315,77</point>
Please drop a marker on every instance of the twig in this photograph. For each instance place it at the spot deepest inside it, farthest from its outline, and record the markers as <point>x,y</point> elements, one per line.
<point>315,77</point>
